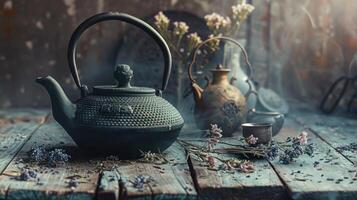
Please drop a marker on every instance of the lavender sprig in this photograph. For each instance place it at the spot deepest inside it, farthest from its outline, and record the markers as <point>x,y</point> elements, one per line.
<point>41,156</point>
<point>215,134</point>
<point>296,147</point>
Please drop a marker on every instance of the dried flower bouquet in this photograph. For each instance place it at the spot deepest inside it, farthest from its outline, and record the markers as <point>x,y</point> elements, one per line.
<point>174,33</point>
<point>287,151</point>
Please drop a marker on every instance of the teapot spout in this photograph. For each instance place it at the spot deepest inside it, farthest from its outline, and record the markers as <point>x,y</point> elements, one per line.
<point>197,94</point>
<point>250,90</point>
<point>63,109</point>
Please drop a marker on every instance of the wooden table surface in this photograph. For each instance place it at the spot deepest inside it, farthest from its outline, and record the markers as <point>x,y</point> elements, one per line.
<point>184,178</point>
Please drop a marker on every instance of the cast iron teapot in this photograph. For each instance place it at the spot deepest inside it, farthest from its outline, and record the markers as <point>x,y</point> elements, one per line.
<point>117,119</point>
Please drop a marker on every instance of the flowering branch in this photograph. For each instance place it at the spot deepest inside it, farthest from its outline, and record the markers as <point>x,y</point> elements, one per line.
<point>287,151</point>
<point>228,26</point>
<point>174,34</point>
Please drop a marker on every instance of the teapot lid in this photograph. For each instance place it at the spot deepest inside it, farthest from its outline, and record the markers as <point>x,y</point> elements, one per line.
<point>123,74</point>
<point>219,68</point>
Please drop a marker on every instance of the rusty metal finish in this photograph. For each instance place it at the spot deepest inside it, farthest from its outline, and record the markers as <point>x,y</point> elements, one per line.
<point>219,102</point>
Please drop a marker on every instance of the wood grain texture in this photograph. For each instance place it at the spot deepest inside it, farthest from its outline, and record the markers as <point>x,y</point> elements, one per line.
<point>16,127</point>
<point>40,45</point>
<point>330,178</point>
<point>53,182</point>
<point>167,181</point>
<point>336,130</point>
<point>108,187</point>
<point>261,184</point>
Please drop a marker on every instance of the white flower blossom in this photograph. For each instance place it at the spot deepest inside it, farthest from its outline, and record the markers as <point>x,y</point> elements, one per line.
<point>251,140</point>
<point>161,21</point>
<point>216,22</point>
<point>303,137</point>
<point>241,11</point>
<point>180,28</point>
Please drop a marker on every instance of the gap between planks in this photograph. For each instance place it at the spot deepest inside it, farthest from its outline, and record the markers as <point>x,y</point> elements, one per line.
<point>15,134</point>
<point>336,131</point>
<point>331,178</point>
<point>167,181</point>
<point>53,181</point>
<point>261,184</point>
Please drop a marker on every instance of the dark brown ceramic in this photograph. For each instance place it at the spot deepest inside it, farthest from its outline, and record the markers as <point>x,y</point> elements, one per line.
<point>262,131</point>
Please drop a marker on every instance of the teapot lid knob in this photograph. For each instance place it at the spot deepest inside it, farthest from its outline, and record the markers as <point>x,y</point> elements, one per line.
<point>123,75</point>
<point>219,67</point>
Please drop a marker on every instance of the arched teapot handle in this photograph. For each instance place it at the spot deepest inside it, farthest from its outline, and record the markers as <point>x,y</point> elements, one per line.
<point>194,55</point>
<point>106,16</point>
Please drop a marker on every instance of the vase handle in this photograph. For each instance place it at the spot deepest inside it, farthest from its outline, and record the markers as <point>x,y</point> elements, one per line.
<point>194,56</point>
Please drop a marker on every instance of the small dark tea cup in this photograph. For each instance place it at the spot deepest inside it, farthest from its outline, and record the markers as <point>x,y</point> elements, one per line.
<point>275,118</point>
<point>262,131</point>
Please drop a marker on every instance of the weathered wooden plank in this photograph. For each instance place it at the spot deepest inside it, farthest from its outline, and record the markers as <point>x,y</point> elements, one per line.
<point>166,181</point>
<point>16,126</point>
<point>261,184</point>
<point>336,130</point>
<point>326,175</point>
<point>108,187</point>
<point>23,114</point>
<point>53,182</point>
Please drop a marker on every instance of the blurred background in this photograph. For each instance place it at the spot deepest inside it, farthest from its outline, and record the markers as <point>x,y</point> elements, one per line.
<point>297,48</point>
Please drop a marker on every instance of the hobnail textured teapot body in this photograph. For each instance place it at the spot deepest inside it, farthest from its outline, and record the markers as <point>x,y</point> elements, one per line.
<point>147,112</point>
<point>116,119</point>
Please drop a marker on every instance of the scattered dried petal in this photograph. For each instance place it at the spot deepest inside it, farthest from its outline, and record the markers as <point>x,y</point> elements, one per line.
<point>251,140</point>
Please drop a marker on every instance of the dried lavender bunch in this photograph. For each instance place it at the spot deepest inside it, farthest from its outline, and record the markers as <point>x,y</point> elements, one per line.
<point>57,156</point>
<point>273,152</point>
<point>208,155</point>
<point>287,151</point>
<point>41,156</point>
<point>350,147</point>
<point>26,175</point>
<point>140,181</point>
<point>38,154</point>
<point>295,147</point>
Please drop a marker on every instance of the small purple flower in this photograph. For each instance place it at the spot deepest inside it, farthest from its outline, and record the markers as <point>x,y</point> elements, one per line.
<point>26,174</point>
<point>251,140</point>
<point>211,161</point>
<point>57,156</point>
<point>309,149</point>
<point>273,152</point>
<point>285,158</point>
<point>41,156</point>
<point>140,181</point>
<point>303,137</point>
<point>215,134</point>
<point>247,167</point>
<point>38,154</point>
<point>72,184</point>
